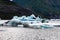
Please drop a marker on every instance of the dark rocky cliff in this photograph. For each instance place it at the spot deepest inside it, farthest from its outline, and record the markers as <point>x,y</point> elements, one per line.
<point>9,9</point>
<point>49,8</point>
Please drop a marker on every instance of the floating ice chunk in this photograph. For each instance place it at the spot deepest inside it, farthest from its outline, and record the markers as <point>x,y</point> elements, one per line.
<point>23,16</point>
<point>19,18</point>
<point>46,26</point>
<point>32,16</point>
<point>37,18</point>
<point>15,17</point>
<point>24,20</point>
<point>34,25</point>
<point>46,21</point>
<point>14,22</point>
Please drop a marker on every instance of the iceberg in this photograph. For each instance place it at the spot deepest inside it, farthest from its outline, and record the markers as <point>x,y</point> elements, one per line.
<point>30,21</point>
<point>32,16</point>
<point>38,19</point>
<point>15,17</point>
<point>46,26</point>
<point>14,22</point>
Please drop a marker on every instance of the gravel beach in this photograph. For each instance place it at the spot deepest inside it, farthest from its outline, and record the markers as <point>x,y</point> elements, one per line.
<point>14,33</point>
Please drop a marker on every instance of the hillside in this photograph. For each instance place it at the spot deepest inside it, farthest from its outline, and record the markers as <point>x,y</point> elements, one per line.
<point>9,9</point>
<point>43,8</point>
<point>48,8</point>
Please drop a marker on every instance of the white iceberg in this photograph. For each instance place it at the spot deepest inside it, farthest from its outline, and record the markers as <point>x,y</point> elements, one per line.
<point>32,21</point>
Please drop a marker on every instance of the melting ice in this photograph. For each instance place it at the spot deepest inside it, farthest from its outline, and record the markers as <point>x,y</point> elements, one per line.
<point>32,21</point>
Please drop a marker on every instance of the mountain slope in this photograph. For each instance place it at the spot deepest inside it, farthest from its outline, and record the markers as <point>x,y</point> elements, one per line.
<point>48,8</point>
<point>9,9</point>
